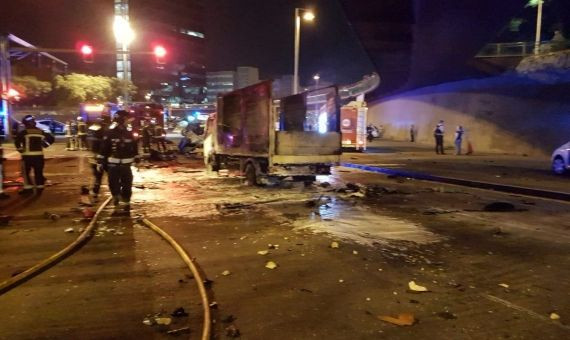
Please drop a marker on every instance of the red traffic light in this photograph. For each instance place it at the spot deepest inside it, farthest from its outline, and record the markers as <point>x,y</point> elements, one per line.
<point>160,51</point>
<point>86,53</point>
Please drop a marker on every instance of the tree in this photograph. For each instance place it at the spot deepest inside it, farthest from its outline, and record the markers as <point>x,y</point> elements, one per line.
<point>76,88</point>
<point>31,89</point>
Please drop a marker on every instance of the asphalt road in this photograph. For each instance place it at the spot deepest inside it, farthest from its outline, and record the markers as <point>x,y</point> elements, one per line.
<point>490,275</point>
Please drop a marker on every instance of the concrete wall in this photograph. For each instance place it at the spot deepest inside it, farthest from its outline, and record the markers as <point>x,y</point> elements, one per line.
<point>509,114</point>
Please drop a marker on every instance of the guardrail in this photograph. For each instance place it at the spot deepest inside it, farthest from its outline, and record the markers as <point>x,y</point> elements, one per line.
<point>519,49</point>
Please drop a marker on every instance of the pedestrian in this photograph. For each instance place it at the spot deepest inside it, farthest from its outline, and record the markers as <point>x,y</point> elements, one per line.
<point>3,195</point>
<point>98,164</point>
<point>458,139</point>
<point>412,133</point>
<point>438,134</point>
<point>30,143</point>
<point>119,151</point>
<point>81,134</point>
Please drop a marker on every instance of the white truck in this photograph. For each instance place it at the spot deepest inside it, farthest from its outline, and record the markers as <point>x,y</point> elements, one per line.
<point>298,136</point>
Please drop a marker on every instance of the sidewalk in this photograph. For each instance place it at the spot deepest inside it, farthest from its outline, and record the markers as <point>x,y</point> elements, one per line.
<point>516,170</point>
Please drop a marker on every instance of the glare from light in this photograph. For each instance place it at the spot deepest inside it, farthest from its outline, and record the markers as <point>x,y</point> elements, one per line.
<point>316,77</point>
<point>160,51</point>
<point>323,123</point>
<point>86,49</point>
<point>309,16</point>
<point>94,108</point>
<point>123,31</point>
<point>12,93</point>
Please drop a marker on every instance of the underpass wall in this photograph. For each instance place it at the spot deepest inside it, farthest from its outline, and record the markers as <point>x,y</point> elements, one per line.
<point>508,114</point>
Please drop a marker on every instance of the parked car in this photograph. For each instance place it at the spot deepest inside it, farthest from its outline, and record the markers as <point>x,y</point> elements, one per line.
<point>53,126</point>
<point>561,159</point>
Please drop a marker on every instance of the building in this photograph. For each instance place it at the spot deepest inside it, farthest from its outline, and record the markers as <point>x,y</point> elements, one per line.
<point>283,86</point>
<point>246,76</point>
<point>178,26</point>
<point>219,83</point>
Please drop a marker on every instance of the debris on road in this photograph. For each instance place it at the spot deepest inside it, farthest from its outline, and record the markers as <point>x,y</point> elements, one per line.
<point>148,321</point>
<point>51,216</point>
<point>179,313</point>
<point>226,273</point>
<point>438,211</point>
<point>163,321</point>
<point>499,207</point>
<point>554,316</point>
<point>271,265</point>
<point>417,288</point>
<point>214,305</point>
<point>69,230</point>
<point>447,315</point>
<point>179,331</point>
<point>403,319</point>
<point>229,319</point>
<point>263,252</point>
<point>232,331</point>
<point>504,285</point>
<point>334,245</point>
<point>355,252</point>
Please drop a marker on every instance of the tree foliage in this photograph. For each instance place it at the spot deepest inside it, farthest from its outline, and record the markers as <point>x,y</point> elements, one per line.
<point>75,88</point>
<point>30,88</point>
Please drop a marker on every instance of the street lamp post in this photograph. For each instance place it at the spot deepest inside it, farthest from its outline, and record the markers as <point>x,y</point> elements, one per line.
<point>307,16</point>
<point>538,27</point>
<point>316,78</point>
<point>124,35</point>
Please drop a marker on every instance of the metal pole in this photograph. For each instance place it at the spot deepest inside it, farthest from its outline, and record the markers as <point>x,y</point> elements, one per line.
<point>297,42</point>
<point>5,79</point>
<point>125,75</point>
<point>538,28</point>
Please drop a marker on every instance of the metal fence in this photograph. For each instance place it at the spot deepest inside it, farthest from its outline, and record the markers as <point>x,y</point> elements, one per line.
<point>519,49</point>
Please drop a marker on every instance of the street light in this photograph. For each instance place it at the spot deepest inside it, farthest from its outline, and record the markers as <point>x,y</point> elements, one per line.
<point>308,15</point>
<point>316,78</point>
<point>124,35</point>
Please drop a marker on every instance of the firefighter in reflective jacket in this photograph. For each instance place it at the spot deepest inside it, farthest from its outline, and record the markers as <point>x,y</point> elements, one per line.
<point>70,145</point>
<point>119,150</point>
<point>98,165</point>
<point>3,195</point>
<point>30,143</point>
<point>158,136</point>
<point>147,133</point>
<point>81,134</point>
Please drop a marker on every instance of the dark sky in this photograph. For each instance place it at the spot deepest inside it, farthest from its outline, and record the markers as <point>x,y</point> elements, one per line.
<point>240,32</point>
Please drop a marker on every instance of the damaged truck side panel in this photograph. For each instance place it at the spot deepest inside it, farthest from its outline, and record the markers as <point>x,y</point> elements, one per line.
<point>299,137</point>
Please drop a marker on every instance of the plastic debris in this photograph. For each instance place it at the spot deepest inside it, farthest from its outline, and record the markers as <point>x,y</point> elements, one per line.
<point>404,319</point>
<point>554,316</point>
<point>179,312</point>
<point>271,265</point>
<point>263,252</point>
<point>504,285</point>
<point>163,321</point>
<point>417,288</point>
<point>232,331</point>
<point>179,331</point>
<point>334,245</point>
<point>148,321</point>
<point>69,230</point>
<point>340,281</point>
<point>355,252</point>
<point>226,273</point>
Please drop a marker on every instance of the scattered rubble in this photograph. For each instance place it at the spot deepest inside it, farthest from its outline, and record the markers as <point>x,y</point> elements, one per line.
<point>69,230</point>
<point>416,288</point>
<point>232,331</point>
<point>504,285</point>
<point>554,316</point>
<point>334,245</point>
<point>226,273</point>
<point>404,319</point>
<point>271,265</point>
<point>179,331</point>
<point>263,252</point>
<point>179,313</point>
<point>447,315</point>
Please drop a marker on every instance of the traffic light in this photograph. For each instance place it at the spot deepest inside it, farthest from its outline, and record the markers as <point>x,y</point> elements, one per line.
<point>86,53</point>
<point>159,54</point>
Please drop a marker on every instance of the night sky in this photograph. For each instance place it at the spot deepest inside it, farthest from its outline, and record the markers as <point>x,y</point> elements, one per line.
<point>240,33</point>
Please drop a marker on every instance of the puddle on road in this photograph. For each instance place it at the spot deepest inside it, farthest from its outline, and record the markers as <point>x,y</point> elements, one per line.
<point>362,225</point>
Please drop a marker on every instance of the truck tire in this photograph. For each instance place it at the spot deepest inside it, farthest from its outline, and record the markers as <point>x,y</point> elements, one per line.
<point>250,175</point>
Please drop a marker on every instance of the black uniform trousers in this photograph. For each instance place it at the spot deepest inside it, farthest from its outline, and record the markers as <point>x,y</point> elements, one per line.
<point>120,181</point>
<point>439,144</point>
<point>97,177</point>
<point>37,164</point>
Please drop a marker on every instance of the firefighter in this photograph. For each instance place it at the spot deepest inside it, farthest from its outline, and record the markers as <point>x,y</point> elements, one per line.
<point>438,133</point>
<point>98,164</point>
<point>30,143</point>
<point>3,195</point>
<point>81,134</point>
<point>119,150</point>
<point>73,130</point>
<point>147,134</point>
<point>70,144</point>
<point>159,136</point>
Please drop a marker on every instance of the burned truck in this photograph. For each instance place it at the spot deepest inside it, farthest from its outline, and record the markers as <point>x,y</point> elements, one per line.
<point>297,137</point>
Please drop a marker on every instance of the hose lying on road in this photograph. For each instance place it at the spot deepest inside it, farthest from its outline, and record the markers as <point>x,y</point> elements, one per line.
<point>57,257</point>
<point>199,281</point>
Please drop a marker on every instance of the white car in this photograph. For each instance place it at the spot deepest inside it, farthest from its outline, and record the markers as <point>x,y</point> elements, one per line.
<point>561,159</point>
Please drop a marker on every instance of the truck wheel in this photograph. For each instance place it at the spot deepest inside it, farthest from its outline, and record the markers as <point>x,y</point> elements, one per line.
<point>250,175</point>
